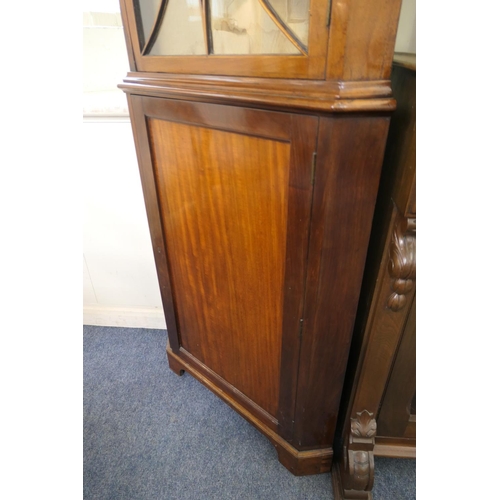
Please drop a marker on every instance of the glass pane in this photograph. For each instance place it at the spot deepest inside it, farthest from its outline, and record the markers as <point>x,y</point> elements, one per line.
<point>244,27</point>
<point>180,31</point>
<point>146,15</point>
<point>295,14</point>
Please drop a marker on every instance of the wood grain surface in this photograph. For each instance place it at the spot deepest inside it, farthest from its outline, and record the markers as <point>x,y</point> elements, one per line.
<point>350,153</point>
<point>362,38</point>
<point>397,418</point>
<point>224,201</point>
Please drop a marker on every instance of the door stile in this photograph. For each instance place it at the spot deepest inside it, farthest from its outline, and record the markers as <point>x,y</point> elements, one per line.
<point>304,131</point>
<point>151,201</point>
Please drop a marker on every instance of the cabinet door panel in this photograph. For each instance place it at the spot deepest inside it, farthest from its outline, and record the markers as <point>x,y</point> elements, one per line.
<point>224,198</point>
<point>234,204</point>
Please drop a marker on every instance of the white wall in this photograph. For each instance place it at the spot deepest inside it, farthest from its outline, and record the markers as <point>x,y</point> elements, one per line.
<point>120,283</point>
<point>406,38</point>
<point>120,287</point>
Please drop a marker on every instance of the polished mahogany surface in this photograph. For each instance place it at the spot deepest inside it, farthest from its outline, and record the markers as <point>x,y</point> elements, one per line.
<point>345,191</point>
<point>224,198</point>
<point>234,194</point>
<point>398,413</point>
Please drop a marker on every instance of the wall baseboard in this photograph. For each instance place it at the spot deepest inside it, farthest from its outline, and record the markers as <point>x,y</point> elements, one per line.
<point>126,317</point>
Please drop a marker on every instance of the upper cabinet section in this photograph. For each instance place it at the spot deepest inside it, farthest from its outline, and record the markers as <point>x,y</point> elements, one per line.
<point>261,38</point>
<point>293,39</point>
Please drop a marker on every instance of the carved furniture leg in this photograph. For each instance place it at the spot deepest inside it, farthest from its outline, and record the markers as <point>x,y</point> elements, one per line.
<point>352,478</point>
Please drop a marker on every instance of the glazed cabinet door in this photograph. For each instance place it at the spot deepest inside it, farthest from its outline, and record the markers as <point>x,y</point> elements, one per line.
<point>265,38</point>
<point>228,195</point>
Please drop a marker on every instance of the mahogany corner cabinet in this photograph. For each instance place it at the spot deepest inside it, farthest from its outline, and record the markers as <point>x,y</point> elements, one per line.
<point>260,128</point>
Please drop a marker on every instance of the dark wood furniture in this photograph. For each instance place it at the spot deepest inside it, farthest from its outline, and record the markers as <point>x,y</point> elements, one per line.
<point>380,389</point>
<point>260,155</point>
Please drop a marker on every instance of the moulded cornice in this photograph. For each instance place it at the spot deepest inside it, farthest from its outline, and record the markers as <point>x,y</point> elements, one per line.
<point>307,95</point>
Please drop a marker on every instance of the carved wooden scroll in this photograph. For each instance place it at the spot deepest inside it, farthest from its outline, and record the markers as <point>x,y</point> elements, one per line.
<point>357,468</point>
<point>360,450</point>
<point>403,261</point>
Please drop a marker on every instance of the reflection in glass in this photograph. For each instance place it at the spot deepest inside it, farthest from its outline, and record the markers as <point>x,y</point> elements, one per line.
<point>244,27</point>
<point>180,31</point>
<point>178,27</point>
<point>295,14</point>
<point>146,12</point>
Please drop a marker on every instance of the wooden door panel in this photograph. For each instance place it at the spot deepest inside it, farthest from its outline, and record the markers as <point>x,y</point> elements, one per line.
<point>224,197</point>
<point>233,189</point>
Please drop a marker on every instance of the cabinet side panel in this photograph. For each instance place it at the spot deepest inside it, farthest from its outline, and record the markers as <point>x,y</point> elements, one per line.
<point>362,38</point>
<point>223,199</point>
<point>398,406</point>
<point>350,152</point>
<point>138,121</point>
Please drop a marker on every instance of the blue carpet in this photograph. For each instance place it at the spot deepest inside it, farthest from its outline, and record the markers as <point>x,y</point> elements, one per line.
<point>151,435</point>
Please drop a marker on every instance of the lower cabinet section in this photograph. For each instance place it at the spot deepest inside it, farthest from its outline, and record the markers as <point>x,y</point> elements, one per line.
<point>260,222</point>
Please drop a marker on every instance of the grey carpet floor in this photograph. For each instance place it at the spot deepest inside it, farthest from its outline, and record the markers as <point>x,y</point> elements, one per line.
<point>151,435</point>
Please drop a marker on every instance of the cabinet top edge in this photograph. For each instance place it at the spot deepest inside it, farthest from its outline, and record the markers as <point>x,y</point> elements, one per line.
<point>331,96</point>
